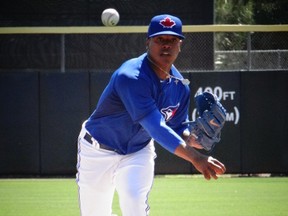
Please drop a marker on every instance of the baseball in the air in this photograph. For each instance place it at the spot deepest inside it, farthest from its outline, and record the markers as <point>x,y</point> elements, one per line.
<point>110,17</point>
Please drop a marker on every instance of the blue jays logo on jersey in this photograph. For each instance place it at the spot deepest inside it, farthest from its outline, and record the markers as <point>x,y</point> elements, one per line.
<point>169,112</point>
<point>167,22</point>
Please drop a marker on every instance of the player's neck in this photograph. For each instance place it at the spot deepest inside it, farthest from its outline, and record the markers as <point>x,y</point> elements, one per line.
<point>160,72</point>
<point>163,74</point>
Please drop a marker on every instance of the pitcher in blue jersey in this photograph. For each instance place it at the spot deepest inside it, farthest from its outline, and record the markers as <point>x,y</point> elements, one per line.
<point>146,99</point>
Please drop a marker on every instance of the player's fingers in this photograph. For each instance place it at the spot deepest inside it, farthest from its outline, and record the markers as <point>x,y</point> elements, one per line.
<point>213,173</point>
<point>210,173</point>
<point>216,162</point>
<point>207,175</point>
<point>223,168</point>
<point>218,169</point>
<point>217,166</point>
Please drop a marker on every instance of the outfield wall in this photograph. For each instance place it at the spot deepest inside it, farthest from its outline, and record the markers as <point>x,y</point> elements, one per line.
<point>41,115</point>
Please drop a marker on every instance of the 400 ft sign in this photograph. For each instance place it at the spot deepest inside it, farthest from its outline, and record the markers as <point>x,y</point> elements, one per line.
<point>233,114</point>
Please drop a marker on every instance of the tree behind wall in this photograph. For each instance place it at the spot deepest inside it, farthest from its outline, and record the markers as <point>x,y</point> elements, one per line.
<point>249,12</point>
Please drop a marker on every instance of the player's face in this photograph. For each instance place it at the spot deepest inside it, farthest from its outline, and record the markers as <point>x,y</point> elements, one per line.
<point>164,49</point>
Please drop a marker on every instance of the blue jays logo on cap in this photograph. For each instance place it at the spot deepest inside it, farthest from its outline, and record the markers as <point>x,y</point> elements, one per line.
<point>165,25</point>
<point>167,22</point>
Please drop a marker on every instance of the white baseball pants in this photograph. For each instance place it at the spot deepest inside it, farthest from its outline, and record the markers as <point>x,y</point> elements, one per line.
<point>100,172</point>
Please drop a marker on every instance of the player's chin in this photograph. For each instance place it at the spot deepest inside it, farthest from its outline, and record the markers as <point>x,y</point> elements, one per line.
<point>166,57</point>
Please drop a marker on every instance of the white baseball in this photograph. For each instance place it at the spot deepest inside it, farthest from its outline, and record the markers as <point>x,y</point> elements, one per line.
<point>110,17</point>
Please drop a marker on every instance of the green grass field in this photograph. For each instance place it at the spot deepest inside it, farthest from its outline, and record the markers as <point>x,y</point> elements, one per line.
<point>170,196</point>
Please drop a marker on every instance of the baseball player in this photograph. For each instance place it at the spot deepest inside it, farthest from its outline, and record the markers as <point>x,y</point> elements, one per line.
<point>146,99</point>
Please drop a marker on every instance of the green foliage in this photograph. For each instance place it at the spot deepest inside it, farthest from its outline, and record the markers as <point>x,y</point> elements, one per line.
<point>232,12</point>
<point>246,12</point>
<point>271,12</point>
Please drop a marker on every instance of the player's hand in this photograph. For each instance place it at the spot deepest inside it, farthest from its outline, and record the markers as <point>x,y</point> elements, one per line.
<point>210,168</point>
<point>207,165</point>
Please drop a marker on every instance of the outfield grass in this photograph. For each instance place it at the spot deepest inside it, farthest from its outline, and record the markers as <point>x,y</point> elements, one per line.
<point>170,196</point>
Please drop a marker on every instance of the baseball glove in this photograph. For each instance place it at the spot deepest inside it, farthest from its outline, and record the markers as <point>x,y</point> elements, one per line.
<point>207,127</point>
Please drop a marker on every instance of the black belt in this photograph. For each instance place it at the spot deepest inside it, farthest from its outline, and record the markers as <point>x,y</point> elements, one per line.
<point>88,138</point>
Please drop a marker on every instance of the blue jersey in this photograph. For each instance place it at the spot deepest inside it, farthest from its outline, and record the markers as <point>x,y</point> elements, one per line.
<point>137,106</point>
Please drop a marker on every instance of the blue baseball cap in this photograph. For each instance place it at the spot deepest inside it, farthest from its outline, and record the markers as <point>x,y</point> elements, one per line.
<point>165,24</point>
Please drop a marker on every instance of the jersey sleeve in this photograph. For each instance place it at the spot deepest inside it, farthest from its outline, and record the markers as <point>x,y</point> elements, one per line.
<point>135,93</point>
<point>157,128</point>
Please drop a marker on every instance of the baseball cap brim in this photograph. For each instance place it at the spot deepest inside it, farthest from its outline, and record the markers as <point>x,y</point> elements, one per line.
<point>167,33</point>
